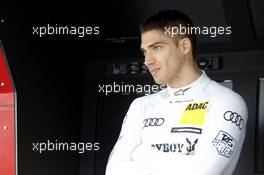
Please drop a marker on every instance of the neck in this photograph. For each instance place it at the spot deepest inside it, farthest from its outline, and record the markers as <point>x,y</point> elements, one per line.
<point>186,75</point>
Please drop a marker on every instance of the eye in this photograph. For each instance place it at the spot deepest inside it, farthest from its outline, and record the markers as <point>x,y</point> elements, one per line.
<point>157,48</point>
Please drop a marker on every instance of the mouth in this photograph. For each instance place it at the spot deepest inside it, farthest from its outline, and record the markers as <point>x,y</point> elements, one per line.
<point>154,71</point>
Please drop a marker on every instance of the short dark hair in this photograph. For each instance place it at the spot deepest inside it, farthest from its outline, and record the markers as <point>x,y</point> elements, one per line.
<point>169,18</point>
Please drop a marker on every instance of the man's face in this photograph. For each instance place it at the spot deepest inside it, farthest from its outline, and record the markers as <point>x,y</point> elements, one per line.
<point>163,59</point>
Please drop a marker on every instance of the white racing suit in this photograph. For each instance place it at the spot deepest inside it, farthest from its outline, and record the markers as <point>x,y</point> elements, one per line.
<point>198,129</point>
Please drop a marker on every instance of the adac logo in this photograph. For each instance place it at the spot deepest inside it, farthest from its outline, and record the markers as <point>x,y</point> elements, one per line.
<point>196,106</point>
<point>194,113</point>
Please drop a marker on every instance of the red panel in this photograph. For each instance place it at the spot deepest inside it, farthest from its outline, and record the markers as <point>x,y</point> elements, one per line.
<point>6,88</point>
<point>7,140</point>
<point>7,120</point>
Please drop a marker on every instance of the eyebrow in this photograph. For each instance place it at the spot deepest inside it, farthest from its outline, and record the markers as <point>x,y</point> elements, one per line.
<point>151,45</point>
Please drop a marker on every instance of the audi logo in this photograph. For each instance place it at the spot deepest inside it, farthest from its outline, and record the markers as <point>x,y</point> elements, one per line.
<point>234,118</point>
<point>153,122</point>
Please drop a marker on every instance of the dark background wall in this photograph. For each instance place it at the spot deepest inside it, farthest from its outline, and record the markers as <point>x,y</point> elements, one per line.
<point>57,77</point>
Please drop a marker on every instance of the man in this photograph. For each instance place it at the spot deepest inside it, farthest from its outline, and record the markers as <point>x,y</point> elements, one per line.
<point>194,126</point>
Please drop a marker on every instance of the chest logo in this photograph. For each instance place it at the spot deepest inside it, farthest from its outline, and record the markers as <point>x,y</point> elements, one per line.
<point>187,148</point>
<point>194,113</point>
<point>153,122</point>
<point>181,91</point>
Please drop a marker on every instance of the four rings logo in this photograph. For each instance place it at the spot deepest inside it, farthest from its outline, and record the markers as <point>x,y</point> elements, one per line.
<point>234,118</point>
<point>153,122</point>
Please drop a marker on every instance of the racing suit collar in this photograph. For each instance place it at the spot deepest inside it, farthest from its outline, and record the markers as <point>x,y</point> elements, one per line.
<point>191,88</point>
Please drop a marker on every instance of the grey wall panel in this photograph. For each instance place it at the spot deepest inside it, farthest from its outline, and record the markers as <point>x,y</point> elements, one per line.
<point>260,129</point>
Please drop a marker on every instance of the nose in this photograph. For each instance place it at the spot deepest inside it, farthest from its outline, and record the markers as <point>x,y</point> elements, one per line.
<point>149,59</point>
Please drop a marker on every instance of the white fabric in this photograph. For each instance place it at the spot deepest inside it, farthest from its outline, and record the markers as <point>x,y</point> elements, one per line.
<point>197,129</point>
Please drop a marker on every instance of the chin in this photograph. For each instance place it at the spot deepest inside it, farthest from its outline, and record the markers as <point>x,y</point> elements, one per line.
<point>158,81</point>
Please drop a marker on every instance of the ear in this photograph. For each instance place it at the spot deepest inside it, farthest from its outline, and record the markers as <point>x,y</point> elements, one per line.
<point>185,45</point>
